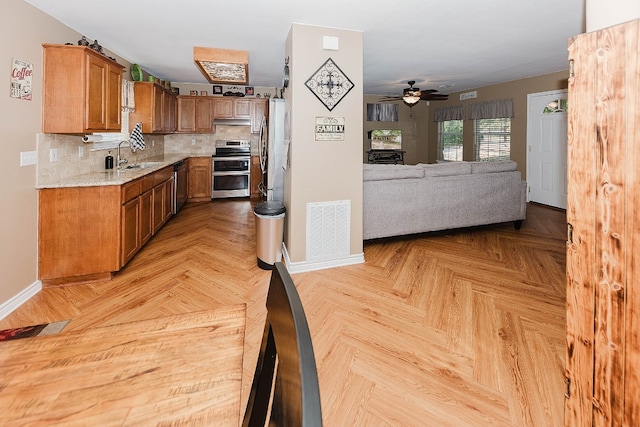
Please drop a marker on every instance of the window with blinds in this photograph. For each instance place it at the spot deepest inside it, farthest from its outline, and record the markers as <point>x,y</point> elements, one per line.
<point>450,141</point>
<point>492,139</point>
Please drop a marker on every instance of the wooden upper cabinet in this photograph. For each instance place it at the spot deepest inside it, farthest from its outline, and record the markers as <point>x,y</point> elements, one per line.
<point>242,109</point>
<point>259,110</point>
<point>195,114</point>
<point>186,114</point>
<point>155,108</point>
<point>204,115</point>
<point>82,90</point>
<point>223,108</point>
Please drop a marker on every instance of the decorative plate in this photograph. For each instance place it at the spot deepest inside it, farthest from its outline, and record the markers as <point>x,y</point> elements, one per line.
<point>136,73</point>
<point>329,84</point>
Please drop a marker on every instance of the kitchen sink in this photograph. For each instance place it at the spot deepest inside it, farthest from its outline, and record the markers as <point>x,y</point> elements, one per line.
<point>144,165</point>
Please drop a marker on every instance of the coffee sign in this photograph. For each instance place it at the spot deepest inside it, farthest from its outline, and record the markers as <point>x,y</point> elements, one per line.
<point>21,75</point>
<point>329,128</point>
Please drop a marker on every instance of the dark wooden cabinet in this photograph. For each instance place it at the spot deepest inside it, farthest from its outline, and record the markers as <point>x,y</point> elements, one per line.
<point>603,215</point>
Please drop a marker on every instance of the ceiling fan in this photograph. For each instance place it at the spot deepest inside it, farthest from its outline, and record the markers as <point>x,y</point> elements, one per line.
<point>411,95</point>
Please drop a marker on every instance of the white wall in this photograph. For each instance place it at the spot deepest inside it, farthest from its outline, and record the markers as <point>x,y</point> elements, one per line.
<point>605,13</point>
<point>322,171</point>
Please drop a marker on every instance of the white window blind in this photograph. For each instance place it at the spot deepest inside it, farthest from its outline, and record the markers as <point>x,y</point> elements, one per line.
<point>492,139</point>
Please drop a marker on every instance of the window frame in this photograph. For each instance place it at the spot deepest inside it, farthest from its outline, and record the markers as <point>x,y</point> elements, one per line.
<point>442,133</point>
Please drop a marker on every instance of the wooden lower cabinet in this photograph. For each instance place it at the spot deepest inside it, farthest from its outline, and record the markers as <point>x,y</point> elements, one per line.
<point>199,179</point>
<point>130,229</point>
<point>87,233</point>
<point>162,203</point>
<point>146,216</point>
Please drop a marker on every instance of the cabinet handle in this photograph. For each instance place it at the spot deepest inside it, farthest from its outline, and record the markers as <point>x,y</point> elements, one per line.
<point>571,72</point>
<point>569,234</point>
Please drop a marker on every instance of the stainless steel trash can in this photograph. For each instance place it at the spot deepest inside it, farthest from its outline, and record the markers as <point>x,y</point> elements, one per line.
<point>269,232</point>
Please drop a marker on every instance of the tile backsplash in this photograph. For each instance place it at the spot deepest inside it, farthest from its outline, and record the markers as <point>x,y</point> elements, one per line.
<point>69,148</point>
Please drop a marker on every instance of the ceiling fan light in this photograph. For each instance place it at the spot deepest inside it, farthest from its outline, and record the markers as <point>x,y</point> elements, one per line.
<point>411,99</point>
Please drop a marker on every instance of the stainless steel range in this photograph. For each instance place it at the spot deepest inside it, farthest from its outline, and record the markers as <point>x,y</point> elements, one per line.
<point>231,169</point>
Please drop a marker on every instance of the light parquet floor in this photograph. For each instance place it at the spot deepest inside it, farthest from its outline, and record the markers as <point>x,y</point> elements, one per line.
<point>456,328</point>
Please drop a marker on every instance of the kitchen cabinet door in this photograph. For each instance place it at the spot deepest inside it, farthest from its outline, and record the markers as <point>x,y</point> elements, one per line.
<point>168,112</point>
<point>259,110</point>
<point>113,106</point>
<point>186,114</point>
<point>158,207</point>
<point>146,217</point>
<point>130,229</point>
<point>223,108</point>
<point>204,115</point>
<point>157,109</point>
<point>242,109</point>
<point>199,178</point>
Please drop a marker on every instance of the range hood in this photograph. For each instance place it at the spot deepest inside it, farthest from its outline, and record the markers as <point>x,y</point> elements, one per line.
<point>232,122</point>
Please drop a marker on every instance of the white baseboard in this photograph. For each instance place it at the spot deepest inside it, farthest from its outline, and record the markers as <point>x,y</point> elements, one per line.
<point>301,267</point>
<point>12,304</point>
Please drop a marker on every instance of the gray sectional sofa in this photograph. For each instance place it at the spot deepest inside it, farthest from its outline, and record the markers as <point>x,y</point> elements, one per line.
<point>408,199</point>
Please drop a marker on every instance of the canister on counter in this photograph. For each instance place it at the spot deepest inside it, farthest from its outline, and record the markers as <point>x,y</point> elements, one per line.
<point>108,161</point>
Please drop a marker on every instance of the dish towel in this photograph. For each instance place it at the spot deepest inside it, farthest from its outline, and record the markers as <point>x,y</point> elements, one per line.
<point>136,140</point>
<point>128,98</point>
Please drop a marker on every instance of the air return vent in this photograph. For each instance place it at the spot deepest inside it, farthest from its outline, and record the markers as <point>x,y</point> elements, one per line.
<point>328,230</point>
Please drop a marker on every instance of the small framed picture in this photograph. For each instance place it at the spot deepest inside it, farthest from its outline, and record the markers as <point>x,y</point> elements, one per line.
<point>204,93</point>
<point>217,90</point>
<point>248,90</point>
<point>193,93</point>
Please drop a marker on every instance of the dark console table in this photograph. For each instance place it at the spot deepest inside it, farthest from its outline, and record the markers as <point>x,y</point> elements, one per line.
<point>386,156</point>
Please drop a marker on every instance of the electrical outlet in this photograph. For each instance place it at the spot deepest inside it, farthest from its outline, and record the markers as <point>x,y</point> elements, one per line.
<point>153,142</point>
<point>53,155</point>
<point>193,141</point>
<point>81,151</point>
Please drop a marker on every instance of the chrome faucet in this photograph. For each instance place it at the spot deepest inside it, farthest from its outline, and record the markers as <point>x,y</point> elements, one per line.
<point>120,160</point>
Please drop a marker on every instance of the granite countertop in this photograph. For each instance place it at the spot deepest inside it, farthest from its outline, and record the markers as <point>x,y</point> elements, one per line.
<point>116,176</point>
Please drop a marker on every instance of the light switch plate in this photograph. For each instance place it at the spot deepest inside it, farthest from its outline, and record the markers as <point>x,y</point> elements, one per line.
<point>53,155</point>
<point>28,158</point>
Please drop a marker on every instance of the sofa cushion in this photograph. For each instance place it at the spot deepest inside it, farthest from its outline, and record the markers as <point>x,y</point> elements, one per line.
<point>493,167</point>
<point>446,169</point>
<point>376,172</point>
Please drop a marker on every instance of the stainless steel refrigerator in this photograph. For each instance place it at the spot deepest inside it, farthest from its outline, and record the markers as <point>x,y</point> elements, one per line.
<point>273,154</point>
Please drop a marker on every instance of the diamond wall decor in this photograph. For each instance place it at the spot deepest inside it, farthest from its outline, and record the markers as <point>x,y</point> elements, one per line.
<point>329,84</point>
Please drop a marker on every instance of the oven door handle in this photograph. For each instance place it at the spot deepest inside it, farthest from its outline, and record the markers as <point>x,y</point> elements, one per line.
<point>218,158</point>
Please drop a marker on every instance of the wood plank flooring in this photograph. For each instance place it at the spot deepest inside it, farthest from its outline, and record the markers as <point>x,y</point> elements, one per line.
<point>456,328</point>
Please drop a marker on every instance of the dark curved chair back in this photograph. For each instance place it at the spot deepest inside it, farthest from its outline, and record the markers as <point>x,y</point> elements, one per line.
<point>296,396</point>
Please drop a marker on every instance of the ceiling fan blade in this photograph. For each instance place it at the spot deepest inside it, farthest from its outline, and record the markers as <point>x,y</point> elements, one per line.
<point>434,97</point>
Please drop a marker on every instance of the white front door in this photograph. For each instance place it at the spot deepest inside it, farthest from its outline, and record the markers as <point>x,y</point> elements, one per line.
<point>547,148</point>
